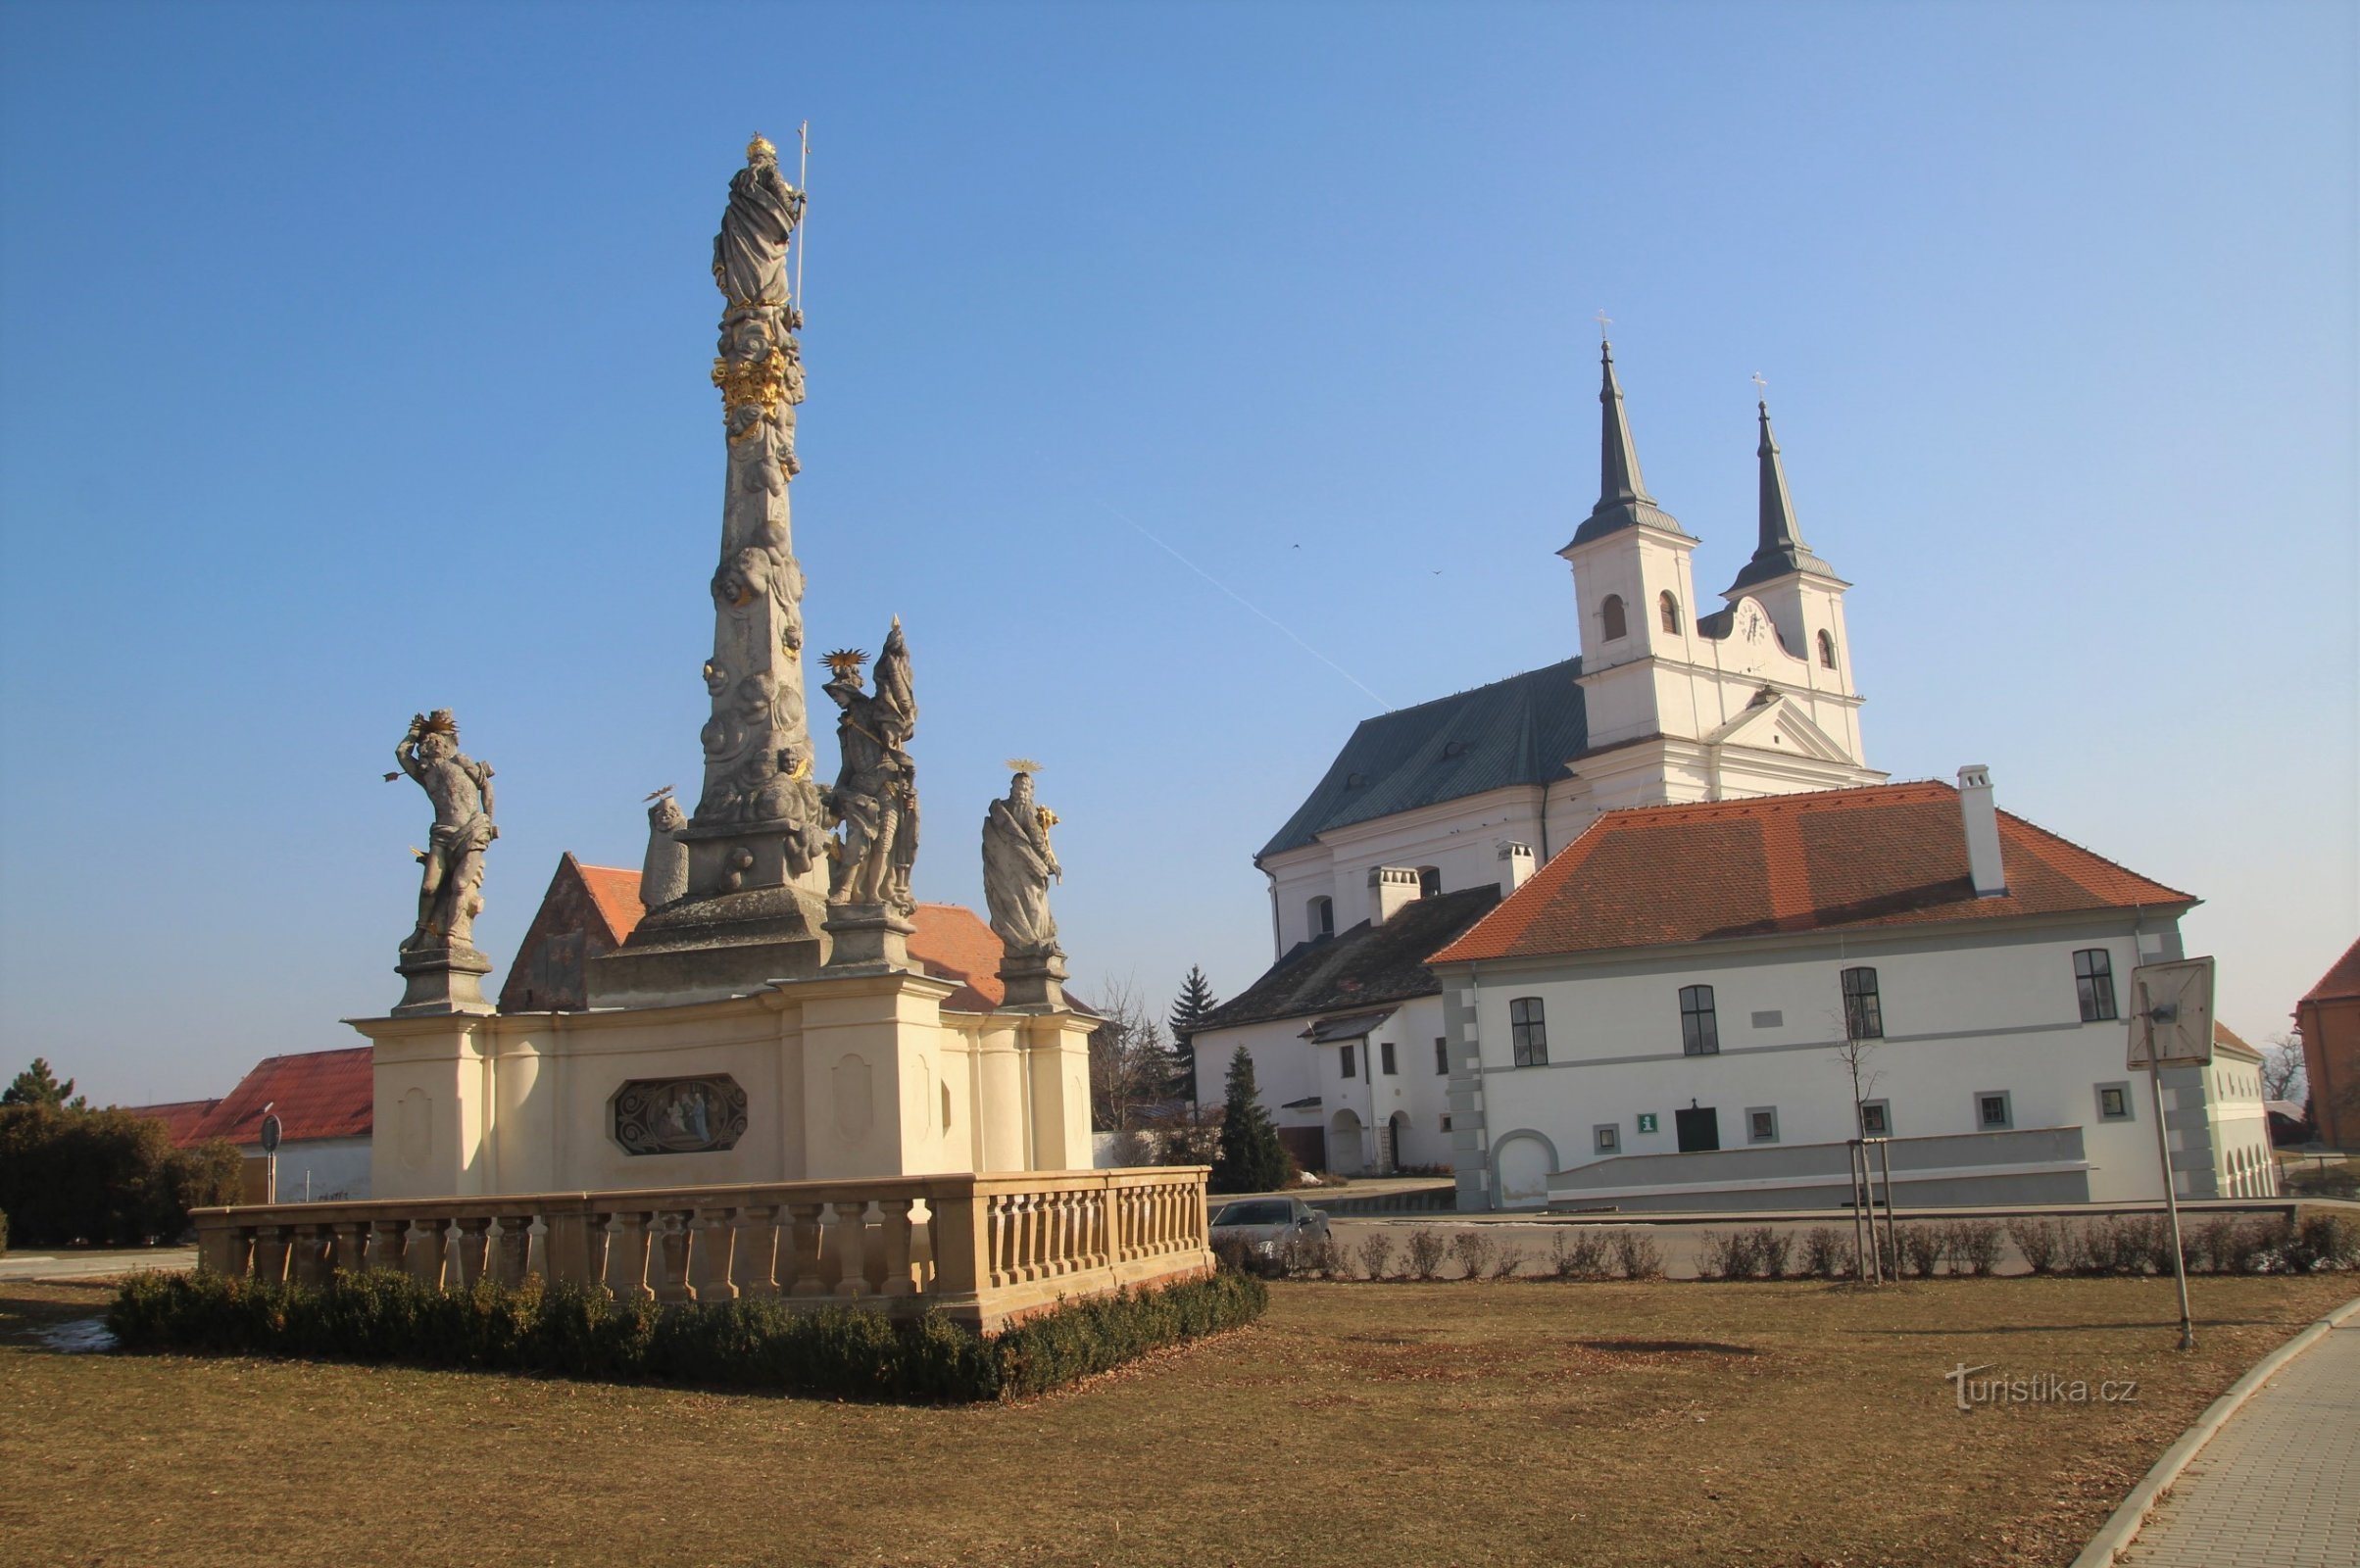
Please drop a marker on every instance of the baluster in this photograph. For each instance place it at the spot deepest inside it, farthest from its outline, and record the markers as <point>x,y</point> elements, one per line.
<point>895,1213</point>
<point>668,1258</point>
<point>271,1253</point>
<point>807,1280</point>
<point>310,1265</point>
<point>595,1241</point>
<point>627,1257</point>
<point>1066,1232</point>
<point>474,1248</point>
<point>755,1250</point>
<point>388,1239</point>
<point>352,1246</point>
<point>425,1252</point>
<point>513,1240</point>
<point>536,1246</point>
<point>715,1237</point>
<point>851,1248</point>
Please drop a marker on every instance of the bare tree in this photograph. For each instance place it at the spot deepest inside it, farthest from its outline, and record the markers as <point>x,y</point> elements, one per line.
<point>2284,1076</point>
<point>1128,1062</point>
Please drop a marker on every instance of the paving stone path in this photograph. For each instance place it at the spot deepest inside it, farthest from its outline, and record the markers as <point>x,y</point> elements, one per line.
<point>2280,1486</point>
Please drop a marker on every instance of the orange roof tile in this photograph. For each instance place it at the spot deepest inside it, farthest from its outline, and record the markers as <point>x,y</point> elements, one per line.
<point>183,1117</point>
<point>319,1093</point>
<point>1884,854</point>
<point>616,892</point>
<point>953,942</point>
<point>2343,980</point>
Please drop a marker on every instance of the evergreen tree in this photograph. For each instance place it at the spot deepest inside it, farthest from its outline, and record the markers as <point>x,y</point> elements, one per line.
<point>1190,1010</point>
<point>1250,1159</point>
<point>36,1085</point>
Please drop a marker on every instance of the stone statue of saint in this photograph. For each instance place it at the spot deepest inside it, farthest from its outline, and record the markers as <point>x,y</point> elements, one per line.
<point>663,875</point>
<point>750,253</point>
<point>1018,867</point>
<point>450,893</point>
<point>875,797</point>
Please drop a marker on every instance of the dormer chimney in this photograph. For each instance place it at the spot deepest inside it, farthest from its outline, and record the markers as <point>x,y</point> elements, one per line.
<point>1391,890</point>
<point>1981,820</point>
<point>1515,865</point>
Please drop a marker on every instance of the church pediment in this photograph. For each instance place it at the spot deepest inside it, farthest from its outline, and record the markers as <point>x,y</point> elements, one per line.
<point>1774,723</point>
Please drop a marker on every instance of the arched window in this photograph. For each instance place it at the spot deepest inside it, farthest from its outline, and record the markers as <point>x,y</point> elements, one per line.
<point>1827,649</point>
<point>1611,613</point>
<point>1670,610</point>
<point>1322,912</point>
<point>1429,881</point>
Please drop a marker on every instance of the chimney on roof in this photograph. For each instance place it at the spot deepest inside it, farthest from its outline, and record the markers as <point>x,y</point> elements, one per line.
<point>1515,865</point>
<point>1982,824</point>
<point>1391,890</point>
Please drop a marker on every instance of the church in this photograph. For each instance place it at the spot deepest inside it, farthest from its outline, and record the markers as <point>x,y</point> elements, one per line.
<point>1459,799</point>
<point>1643,930</point>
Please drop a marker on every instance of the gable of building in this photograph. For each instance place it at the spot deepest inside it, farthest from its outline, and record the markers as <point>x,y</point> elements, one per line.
<point>2342,981</point>
<point>314,1094</point>
<point>1884,854</point>
<point>1521,730</point>
<point>588,910</point>
<point>1360,969</point>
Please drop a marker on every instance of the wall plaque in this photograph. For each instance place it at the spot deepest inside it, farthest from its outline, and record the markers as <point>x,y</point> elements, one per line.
<point>679,1116</point>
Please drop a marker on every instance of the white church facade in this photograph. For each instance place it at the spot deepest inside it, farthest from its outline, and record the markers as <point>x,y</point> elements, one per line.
<point>1460,798</point>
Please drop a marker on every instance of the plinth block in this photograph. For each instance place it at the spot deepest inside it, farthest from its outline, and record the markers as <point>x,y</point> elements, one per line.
<point>442,980</point>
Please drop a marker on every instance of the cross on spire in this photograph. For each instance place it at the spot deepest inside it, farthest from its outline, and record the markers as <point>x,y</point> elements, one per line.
<point>1603,322</point>
<point>1761,388</point>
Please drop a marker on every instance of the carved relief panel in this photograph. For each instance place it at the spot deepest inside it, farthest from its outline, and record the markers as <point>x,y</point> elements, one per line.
<point>679,1116</point>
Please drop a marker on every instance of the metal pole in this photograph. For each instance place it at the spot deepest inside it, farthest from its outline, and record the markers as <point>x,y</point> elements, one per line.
<point>2171,1206</point>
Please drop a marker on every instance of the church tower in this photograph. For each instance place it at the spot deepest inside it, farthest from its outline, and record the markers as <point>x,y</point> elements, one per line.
<point>1636,589</point>
<point>1802,597</point>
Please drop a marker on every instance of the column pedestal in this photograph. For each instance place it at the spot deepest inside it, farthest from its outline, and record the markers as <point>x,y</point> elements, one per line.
<point>442,980</point>
<point>866,936</point>
<point>1033,980</point>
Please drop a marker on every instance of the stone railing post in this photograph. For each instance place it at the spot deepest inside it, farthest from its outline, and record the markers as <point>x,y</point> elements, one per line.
<point>850,1243</point>
<point>216,1246</point>
<point>567,1246</point>
<point>270,1254</point>
<point>960,1234</point>
<point>310,1262</point>
<point>805,1224</point>
<point>424,1253</point>
<point>511,1248</point>
<point>352,1246</point>
<point>753,1249</point>
<point>667,1257</point>
<point>388,1239</point>
<point>474,1248</point>
<point>711,1252</point>
<point>895,1213</point>
<point>627,1257</point>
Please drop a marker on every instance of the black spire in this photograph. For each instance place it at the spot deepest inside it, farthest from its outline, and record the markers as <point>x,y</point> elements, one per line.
<point>1781,550</point>
<point>1622,494</point>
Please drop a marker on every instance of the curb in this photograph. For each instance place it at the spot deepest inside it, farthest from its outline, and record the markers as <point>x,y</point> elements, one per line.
<point>2123,1523</point>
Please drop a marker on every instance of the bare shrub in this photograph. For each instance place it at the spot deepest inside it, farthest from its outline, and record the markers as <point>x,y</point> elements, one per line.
<point>1637,1255</point>
<point>1323,1257</point>
<point>1423,1252</point>
<point>1577,1255</point>
<point>1510,1260</point>
<point>1728,1256</point>
<point>1376,1255</point>
<point>1772,1248</point>
<point>1473,1250</point>
<point>2041,1240</point>
<point>1825,1254</point>
<point>1921,1245</point>
<point>1975,1245</point>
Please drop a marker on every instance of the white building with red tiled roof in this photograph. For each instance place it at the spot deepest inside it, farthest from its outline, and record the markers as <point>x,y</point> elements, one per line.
<point>1658,1019</point>
<point>324,1104</point>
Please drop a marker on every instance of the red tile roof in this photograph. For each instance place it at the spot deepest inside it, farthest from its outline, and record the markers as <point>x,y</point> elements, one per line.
<point>1886,855</point>
<point>615,892</point>
<point>320,1093</point>
<point>2343,980</point>
<point>183,1117</point>
<point>953,942</point>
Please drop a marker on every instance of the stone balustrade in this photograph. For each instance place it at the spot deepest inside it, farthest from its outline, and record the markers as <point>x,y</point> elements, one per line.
<point>981,1250</point>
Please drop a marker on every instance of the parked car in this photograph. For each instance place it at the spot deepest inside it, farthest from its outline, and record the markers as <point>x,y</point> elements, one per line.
<point>1268,1225</point>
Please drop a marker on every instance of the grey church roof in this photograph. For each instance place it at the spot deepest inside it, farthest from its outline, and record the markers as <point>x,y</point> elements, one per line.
<point>1363,969</point>
<point>1521,730</point>
<point>1781,549</point>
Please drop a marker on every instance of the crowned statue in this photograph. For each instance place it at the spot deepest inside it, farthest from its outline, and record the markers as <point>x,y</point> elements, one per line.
<point>875,796</point>
<point>1018,865</point>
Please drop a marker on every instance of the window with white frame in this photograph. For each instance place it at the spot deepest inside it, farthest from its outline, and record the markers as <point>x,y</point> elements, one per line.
<point>2114,1101</point>
<point>1385,1058</point>
<point>1606,1138</point>
<point>1863,1009</point>
<point>1876,1118</point>
<point>1761,1124</point>
<point>1992,1114</point>
<point>1343,1059</point>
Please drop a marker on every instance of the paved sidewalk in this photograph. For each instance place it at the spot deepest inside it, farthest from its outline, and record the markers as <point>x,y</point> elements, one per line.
<point>85,1265</point>
<point>2280,1486</point>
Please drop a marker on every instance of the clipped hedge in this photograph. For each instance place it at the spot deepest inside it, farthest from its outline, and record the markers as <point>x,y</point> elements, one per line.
<point>754,1343</point>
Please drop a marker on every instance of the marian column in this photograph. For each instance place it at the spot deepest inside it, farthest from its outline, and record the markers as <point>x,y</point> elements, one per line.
<point>757,874</point>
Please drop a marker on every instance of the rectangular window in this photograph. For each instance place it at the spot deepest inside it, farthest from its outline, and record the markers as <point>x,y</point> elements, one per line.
<point>1446,1121</point>
<point>1385,1054</point>
<point>1606,1139</point>
<point>1346,1059</point>
<point>2114,1101</point>
<point>1992,1113</point>
<point>2094,978</point>
<point>1442,1056</point>
<point>1761,1124</point>
<point>1875,1119</point>
<point>1699,1031</point>
<point>1528,1031</point>
<point>1863,1011</point>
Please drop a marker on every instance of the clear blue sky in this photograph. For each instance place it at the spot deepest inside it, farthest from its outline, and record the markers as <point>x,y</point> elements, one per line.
<point>353,362</point>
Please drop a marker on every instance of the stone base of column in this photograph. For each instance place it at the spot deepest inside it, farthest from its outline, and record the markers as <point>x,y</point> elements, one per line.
<point>442,980</point>
<point>866,936</point>
<point>1033,980</point>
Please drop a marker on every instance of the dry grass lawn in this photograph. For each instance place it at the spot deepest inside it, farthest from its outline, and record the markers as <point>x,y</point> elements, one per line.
<point>1358,1424</point>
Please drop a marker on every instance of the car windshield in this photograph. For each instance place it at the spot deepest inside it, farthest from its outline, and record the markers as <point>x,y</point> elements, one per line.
<point>1261,1213</point>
